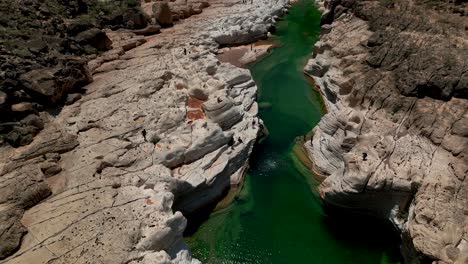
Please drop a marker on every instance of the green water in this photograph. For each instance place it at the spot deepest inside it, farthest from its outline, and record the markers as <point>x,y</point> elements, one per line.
<point>277,217</point>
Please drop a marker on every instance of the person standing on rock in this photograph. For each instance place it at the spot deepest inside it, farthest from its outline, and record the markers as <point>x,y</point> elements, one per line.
<point>185,51</point>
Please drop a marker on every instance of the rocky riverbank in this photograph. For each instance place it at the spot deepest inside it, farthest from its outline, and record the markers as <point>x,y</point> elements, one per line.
<point>164,128</point>
<point>395,141</point>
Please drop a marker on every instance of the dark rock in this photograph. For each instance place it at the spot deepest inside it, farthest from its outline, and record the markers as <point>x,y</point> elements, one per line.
<point>10,82</point>
<point>8,126</point>
<point>33,120</point>
<point>37,46</point>
<point>50,169</point>
<point>112,21</point>
<point>21,135</point>
<point>78,25</point>
<point>130,18</point>
<point>26,139</point>
<point>88,49</point>
<point>34,195</point>
<point>41,81</point>
<point>95,38</point>
<point>135,18</point>
<point>11,231</point>
<point>53,84</point>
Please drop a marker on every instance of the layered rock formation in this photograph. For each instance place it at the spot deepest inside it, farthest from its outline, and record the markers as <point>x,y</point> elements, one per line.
<point>394,142</point>
<point>164,126</point>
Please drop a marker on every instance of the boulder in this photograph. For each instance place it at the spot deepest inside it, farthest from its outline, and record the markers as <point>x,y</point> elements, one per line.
<point>33,120</point>
<point>95,38</point>
<point>135,18</point>
<point>37,46</point>
<point>78,25</point>
<point>21,135</point>
<point>131,18</point>
<point>22,107</point>
<point>162,13</point>
<point>52,84</point>
<point>50,169</point>
<point>41,81</point>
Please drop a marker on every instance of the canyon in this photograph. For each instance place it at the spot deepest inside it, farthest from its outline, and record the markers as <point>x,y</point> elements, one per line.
<point>114,130</point>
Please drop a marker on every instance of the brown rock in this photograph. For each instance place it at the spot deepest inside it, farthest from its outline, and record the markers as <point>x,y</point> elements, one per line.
<point>50,168</point>
<point>95,38</point>
<point>162,13</point>
<point>43,82</point>
<point>34,195</point>
<point>11,231</point>
<point>53,84</point>
<point>149,30</point>
<point>33,120</point>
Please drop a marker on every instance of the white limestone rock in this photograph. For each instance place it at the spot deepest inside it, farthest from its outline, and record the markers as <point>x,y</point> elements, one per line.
<point>395,156</point>
<point>147,139</point>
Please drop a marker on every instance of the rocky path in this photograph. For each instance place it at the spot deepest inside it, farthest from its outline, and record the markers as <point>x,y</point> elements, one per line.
<point>163,129</point>
<point>394,142</point>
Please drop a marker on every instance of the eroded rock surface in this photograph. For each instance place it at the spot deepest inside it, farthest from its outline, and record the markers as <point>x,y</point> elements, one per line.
<point>394,142</point>
<point>45,46</point>
<point>164,126</point>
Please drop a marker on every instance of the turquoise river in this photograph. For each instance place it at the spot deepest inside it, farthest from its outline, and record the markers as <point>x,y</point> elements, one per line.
<point>277,217</point>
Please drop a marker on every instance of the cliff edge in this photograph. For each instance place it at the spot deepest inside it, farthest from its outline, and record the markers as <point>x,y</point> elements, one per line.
<point>394,143</point>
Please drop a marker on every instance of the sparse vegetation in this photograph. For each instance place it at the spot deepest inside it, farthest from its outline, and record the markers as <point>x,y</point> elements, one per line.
<point>55,35</point>
<point>387,3</point>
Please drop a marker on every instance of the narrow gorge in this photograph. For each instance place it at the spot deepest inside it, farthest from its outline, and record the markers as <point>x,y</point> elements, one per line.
<point>233,131</point>
<point>277,217</point>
